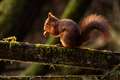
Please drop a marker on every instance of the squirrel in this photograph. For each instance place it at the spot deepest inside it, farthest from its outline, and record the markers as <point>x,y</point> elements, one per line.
<point>72,34</point>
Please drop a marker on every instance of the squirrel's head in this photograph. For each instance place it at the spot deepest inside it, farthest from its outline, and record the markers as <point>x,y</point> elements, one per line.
<point>51,25</point>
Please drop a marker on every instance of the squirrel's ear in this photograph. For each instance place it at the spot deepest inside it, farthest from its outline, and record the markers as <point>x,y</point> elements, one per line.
<point>50,14</point>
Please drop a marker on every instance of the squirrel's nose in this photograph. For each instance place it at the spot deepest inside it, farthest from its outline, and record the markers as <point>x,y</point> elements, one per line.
<point>46,34</point>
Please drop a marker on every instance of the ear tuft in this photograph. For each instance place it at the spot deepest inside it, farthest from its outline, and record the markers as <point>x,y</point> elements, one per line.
<point>50,14</point>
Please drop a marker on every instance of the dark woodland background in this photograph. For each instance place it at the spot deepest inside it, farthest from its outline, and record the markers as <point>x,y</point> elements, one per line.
<point>25,19</point>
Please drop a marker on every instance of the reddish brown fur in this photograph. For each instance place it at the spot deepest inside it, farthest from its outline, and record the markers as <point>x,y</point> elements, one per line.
<point>94,21</point>
<point>71,35</point>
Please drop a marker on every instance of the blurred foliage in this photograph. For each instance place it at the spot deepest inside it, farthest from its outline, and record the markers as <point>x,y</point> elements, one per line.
<point>9,10</point>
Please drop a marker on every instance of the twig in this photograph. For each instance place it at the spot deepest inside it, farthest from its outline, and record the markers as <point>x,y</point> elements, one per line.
<point>109,72</point>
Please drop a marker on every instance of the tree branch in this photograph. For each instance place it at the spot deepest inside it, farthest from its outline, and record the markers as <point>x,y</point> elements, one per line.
<point>55,77</point>
<point>42,53</point>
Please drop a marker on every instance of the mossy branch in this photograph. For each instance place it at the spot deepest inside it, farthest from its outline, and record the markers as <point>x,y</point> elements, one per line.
<point>56,77</point>
<point>42,53</point>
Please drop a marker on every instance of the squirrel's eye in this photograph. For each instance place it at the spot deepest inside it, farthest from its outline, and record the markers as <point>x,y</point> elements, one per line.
<point>46,24</point>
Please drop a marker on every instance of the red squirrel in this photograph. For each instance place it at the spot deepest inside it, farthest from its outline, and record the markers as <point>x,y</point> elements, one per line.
<point>72,34</point>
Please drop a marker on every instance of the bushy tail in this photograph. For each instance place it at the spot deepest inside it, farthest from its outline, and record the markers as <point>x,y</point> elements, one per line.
<point>92,22</point>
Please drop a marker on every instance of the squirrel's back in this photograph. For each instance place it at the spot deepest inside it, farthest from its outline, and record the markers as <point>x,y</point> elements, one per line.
<point>69,24</point>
